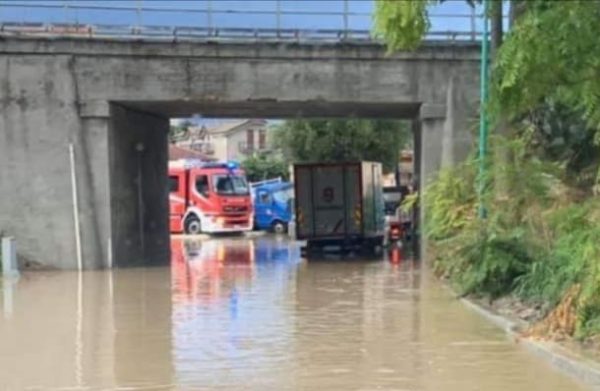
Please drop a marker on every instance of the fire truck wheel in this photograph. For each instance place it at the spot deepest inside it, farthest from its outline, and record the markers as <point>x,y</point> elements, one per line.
<point>193,225</point>
<point>279,227</point>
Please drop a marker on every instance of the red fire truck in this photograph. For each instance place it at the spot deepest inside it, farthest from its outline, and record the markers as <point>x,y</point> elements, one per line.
<point>209,197</point>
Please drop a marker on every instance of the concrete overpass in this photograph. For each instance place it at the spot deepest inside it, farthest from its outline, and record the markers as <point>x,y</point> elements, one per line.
<point>112,100</point>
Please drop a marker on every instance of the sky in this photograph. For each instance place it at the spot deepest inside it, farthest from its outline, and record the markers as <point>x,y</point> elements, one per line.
<point>188,15</point>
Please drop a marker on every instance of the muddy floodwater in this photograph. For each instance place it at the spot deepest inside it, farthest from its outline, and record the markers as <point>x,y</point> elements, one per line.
<point>238,314</point>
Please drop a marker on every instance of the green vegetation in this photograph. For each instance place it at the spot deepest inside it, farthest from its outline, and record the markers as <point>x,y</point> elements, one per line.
<point>404,24</point>
<point>538,243</point>
<point>176,132</point>
<point>343,140</point>
<point>540,239</point>
<point>264,166</point>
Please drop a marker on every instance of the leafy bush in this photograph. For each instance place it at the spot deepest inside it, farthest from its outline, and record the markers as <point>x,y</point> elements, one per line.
<point>536,242</point>
<point>573,260</point>
<point>450,201</point>
<point>487,256</point>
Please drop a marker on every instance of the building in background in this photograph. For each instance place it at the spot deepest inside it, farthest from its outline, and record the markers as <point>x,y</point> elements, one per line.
<point>231,140</point>
<point>406,167</point>
<point>196,138</point>
<point>177,152</point>
<point>405,170</point>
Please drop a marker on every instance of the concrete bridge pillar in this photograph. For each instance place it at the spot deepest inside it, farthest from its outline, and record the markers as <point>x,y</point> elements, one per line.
<point>431,126</point>
<point>444,140</point>
<point>134,194</point>
<point>445,135</point>
<point>40,118</point>
<point>139,195</point>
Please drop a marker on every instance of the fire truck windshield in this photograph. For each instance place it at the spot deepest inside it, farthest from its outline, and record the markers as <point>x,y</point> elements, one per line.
<point>230,184</point>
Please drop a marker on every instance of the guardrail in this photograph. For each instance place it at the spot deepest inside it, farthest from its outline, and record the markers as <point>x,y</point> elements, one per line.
<point>185,33</point>
<point>72,18</point>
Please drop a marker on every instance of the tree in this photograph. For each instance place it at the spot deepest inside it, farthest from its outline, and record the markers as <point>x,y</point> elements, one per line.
<point>497,28</point>
<point>404,24</point>
<point>551,54</point>
<point>263,166</point>
<point>177,132</point>
<point>558,134</point>
<point>343,140</point>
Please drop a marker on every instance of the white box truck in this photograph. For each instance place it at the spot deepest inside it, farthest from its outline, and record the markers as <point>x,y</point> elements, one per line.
<point>339,205</point>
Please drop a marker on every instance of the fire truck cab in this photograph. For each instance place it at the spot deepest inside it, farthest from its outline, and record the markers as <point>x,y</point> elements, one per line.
<point>208,197</point>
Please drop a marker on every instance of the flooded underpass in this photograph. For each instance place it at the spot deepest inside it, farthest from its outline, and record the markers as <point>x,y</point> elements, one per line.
<point>240,314</point>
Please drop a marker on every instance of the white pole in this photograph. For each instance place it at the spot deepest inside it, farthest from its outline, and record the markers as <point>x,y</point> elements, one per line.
<point>109,253</point>
<point>278,16</point>
<point>8,286</point>
<point>139,14</point>
<point>75,209</point>
<point>209,15</point>
<point>9,257</point>
<point>346,19</point>
<point>79,331</point>
<point>140,149</point>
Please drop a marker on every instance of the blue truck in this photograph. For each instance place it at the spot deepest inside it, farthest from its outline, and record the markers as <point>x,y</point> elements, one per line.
<point>272,201</point>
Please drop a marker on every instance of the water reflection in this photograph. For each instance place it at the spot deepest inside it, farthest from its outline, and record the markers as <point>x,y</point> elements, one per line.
<point>236,314</point>
<point>229,310</point>
<point>95,329</point>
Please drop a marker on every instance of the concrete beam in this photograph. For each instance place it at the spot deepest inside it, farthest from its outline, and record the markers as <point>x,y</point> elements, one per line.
<point>94,109</point>
<point>432,111</point>
<point>148,48</point>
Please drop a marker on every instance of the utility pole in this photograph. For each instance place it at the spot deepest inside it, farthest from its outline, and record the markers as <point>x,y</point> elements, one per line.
<point>483,120</point>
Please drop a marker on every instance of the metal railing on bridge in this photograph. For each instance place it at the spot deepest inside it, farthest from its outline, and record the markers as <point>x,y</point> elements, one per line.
<point>135,20</point>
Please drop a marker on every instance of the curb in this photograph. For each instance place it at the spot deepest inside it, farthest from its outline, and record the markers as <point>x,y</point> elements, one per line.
<point>569,363</point>
<point>507,325</point>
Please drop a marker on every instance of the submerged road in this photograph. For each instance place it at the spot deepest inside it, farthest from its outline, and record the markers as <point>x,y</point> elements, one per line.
<point>240,314</point>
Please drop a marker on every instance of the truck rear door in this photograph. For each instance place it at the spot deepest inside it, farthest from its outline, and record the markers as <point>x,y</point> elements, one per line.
<point>328,188</point>
<point>328,200</point>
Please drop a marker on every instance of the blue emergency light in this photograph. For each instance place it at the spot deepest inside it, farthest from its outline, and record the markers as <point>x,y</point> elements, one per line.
<point>232,165</point>
<point>196,163</point>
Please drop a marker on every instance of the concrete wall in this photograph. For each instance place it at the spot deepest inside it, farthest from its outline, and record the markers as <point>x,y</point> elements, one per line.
<point>264,79</point>
<point>139,187</point>
<point>106,95</point>
<point>39,118</point>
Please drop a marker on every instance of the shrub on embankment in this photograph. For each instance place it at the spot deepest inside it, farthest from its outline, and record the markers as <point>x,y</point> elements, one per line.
<point>539,242</point>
